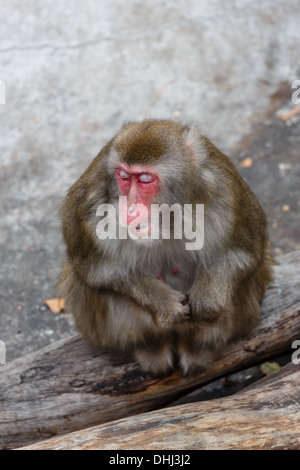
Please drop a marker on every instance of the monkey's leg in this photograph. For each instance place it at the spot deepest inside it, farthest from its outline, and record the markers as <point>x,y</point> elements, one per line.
<point>117,323</point>
<point>200,343</point>
<point>194,355</point>
<point>156,354</point>
<point>132,329</point>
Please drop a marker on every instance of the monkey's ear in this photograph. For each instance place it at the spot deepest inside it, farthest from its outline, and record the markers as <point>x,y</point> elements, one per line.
<point>195,146</point>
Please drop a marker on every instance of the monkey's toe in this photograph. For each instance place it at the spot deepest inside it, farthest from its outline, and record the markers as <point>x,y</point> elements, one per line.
<point>194,362</point>
<point>158,362</point>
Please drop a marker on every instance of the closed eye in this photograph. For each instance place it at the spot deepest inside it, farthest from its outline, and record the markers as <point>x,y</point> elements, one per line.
<point>145,178</point>
<point>123,174</point>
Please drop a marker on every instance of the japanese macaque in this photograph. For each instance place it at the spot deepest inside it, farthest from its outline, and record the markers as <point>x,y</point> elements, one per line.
<point>170,303</point>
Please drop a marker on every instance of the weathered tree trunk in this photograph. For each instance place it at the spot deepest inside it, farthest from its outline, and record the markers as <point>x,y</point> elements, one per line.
<point>70,385</point>
<point>266,415</point>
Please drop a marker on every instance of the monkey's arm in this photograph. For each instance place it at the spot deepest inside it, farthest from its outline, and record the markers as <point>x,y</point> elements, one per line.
<point>97,270</point>
<point>166,305</point>
<point>212,292</point>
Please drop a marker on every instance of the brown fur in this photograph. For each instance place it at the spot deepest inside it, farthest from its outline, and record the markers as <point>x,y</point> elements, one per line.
<point>111,286</point>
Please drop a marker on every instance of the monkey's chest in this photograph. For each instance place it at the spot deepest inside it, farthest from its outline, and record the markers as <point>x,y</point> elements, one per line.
<point>177,277</point>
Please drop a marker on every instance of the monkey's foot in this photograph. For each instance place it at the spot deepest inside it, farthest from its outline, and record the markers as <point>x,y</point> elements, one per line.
<point>194,362</point>
<point>159,362</point>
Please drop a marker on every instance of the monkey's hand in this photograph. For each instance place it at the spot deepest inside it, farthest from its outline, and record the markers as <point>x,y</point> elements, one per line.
<point>207,305</point>
<point>166,305</point>
<point>171,309</point>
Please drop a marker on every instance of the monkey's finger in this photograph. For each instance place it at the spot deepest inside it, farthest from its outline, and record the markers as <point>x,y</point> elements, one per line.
<point>184,299</point>
<point>187,314</point>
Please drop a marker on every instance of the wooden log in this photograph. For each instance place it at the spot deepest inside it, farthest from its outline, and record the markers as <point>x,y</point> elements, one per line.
<point>69,385</point>
<point>264,416</point>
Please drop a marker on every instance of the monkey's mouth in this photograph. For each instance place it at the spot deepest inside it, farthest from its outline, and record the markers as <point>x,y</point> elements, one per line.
<point>140,230</point>
<point>140,227</point>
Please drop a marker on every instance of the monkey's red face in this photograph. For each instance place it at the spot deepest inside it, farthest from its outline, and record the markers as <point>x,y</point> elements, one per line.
<point>139,185</point>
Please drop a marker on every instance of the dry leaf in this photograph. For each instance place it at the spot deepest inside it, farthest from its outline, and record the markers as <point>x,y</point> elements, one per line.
<point>247,162</point>
<point>56,305</point>
<point>290,114</point>
<point>286,208</point>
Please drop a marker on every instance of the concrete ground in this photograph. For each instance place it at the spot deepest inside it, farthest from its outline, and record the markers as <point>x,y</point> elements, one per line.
<point>73,72</point>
